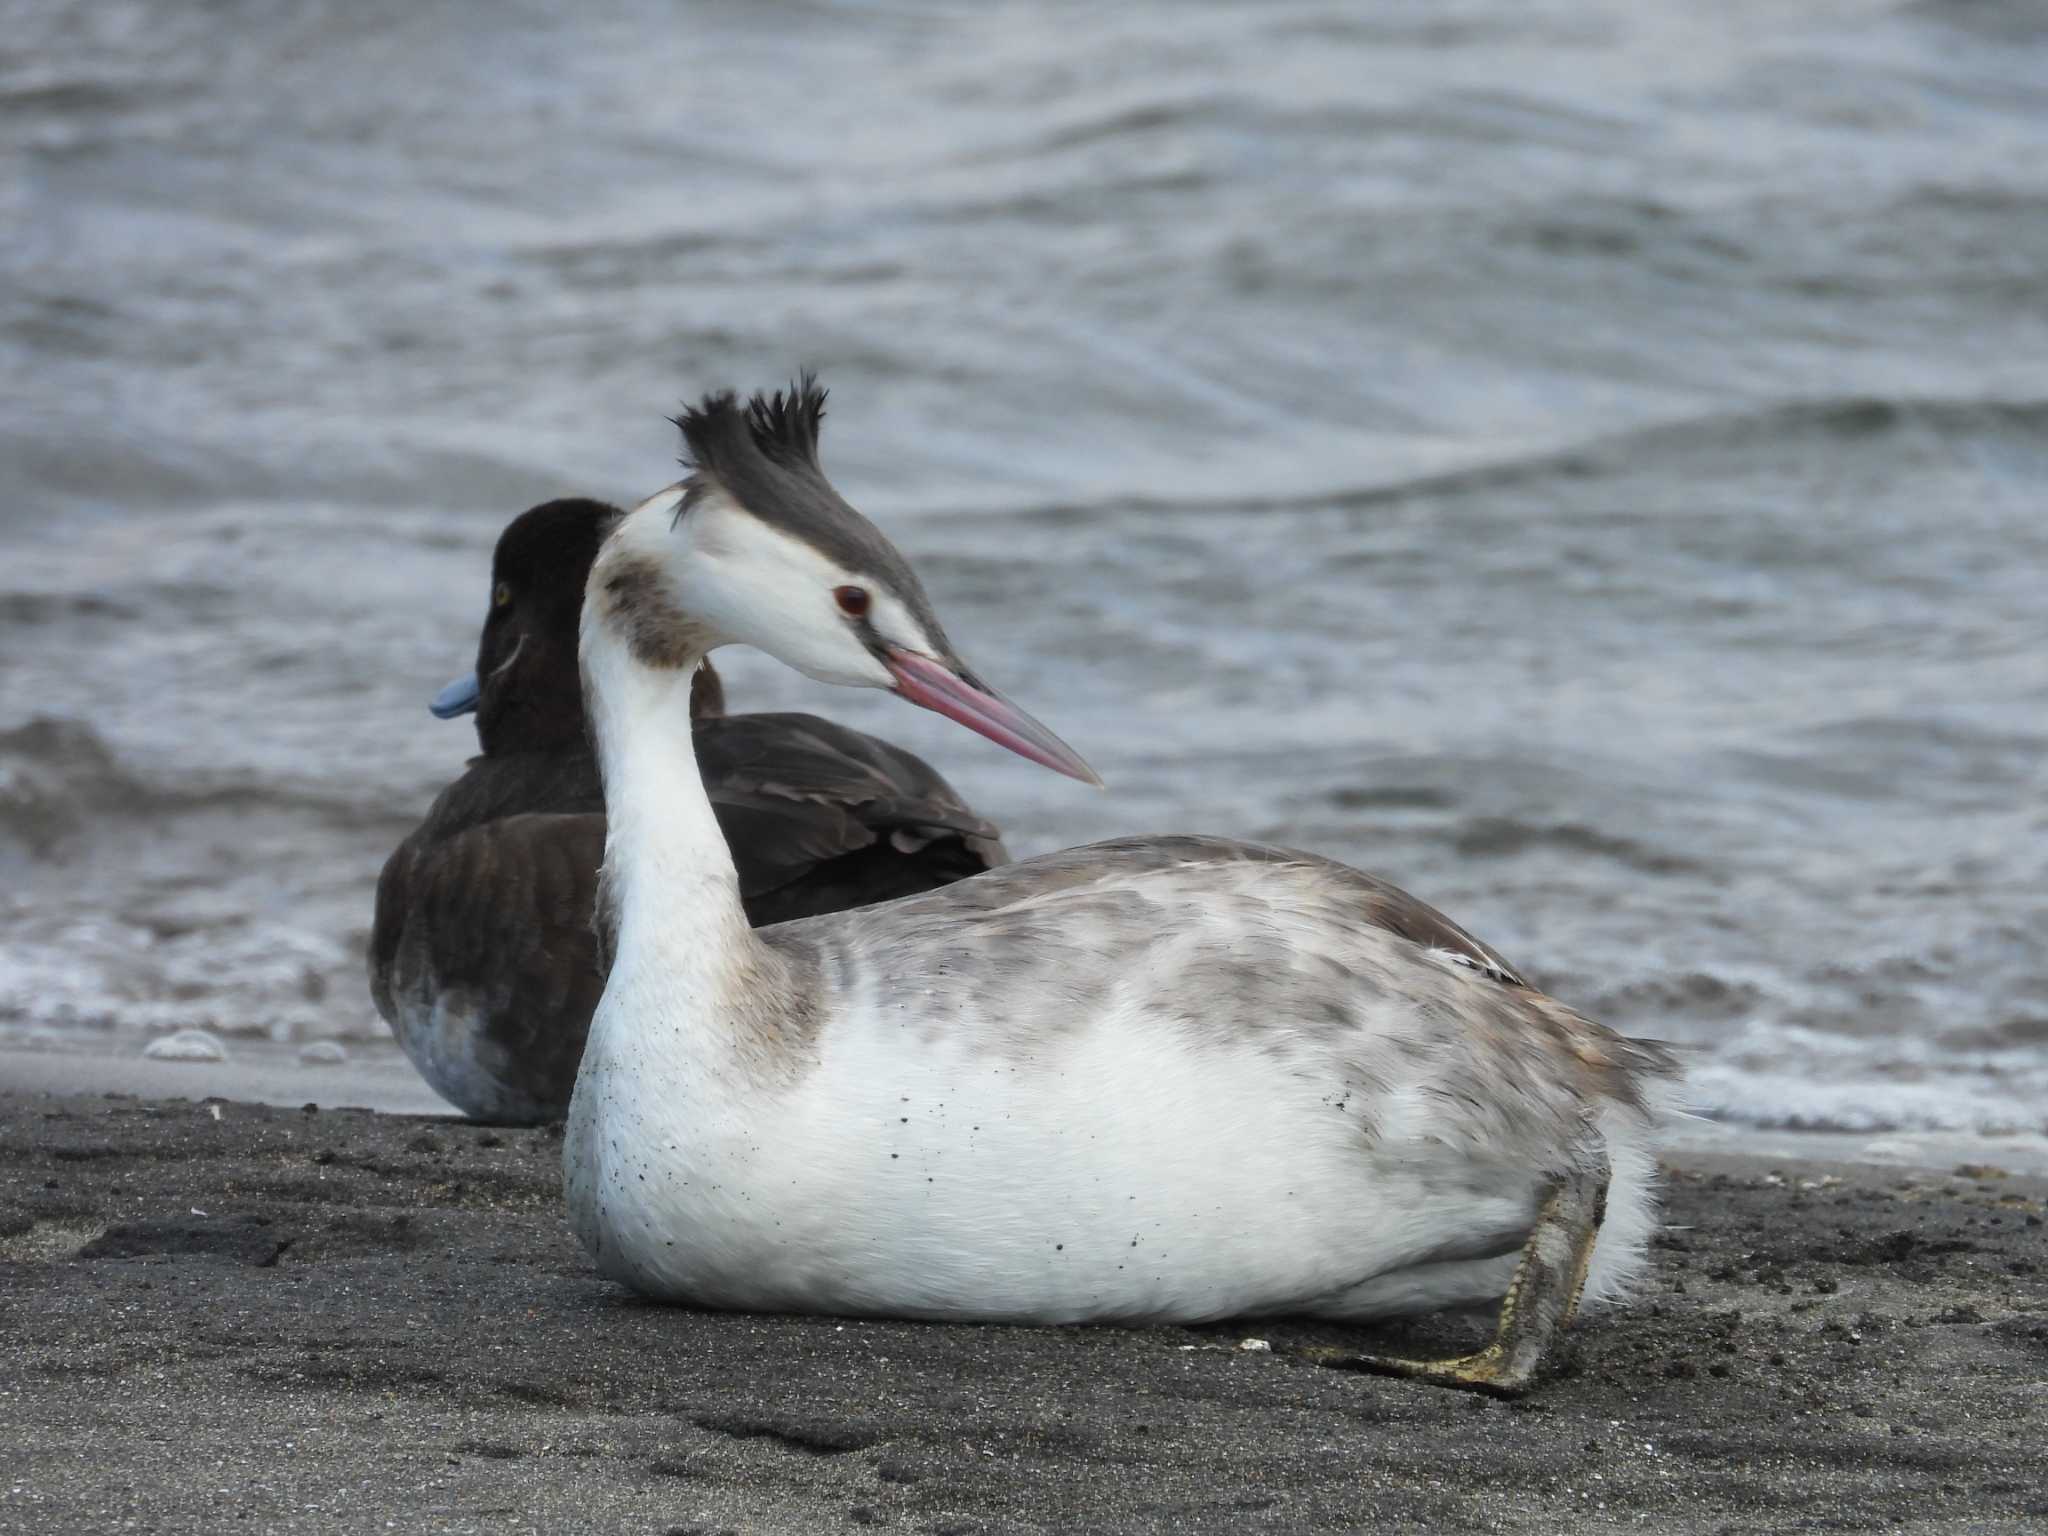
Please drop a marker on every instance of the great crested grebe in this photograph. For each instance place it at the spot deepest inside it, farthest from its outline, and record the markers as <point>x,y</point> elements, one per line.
<point>1155,1080</point>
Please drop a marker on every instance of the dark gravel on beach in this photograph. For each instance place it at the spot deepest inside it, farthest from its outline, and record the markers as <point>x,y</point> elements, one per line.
<point>221,1316</point>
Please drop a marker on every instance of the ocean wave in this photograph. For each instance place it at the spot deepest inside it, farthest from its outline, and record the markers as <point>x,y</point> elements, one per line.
<point>1498,837</point>
<point>53,774</point>
<point>62,787</point>
<point>1735,436</point>
<point>1780,1076</point>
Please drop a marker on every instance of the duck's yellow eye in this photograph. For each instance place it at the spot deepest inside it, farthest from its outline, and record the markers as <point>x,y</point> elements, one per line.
<point>501,596</point>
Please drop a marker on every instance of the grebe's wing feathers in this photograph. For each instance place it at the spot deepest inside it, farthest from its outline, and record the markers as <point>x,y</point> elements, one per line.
<point>1388,906</point>
<point>1236,943</point>
<point>1377,903</point>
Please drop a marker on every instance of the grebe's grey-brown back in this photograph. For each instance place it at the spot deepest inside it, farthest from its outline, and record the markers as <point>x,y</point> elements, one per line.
<point>482,957</point>
<point>1161,1079</point>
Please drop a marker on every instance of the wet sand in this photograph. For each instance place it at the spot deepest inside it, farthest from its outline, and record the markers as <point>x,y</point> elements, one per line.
<point>225,1314</point>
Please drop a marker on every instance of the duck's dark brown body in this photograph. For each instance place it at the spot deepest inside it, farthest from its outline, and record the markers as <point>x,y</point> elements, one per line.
<point>483,959</point>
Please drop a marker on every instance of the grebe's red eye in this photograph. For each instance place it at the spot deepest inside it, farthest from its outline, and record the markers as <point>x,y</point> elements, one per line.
<point>853,601</point>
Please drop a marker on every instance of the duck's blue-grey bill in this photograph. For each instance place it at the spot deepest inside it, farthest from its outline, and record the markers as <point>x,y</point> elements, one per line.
<point>458,698</point>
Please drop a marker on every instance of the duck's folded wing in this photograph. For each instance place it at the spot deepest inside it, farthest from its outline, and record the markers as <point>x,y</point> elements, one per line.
<point>794,793</point>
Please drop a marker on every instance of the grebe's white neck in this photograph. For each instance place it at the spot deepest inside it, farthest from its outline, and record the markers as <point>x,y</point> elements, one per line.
<point>671,895</point>
<point>817,587</point>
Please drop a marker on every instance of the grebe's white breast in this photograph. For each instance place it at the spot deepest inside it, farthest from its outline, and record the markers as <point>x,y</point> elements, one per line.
<point>1170,1079</point>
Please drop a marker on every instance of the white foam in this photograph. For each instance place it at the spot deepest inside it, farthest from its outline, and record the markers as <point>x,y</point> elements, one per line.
<point>186,1045</point>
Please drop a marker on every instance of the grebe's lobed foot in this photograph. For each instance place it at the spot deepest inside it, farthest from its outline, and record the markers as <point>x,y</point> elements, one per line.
<point>1541,1300</point>
<point>1484,1371</point>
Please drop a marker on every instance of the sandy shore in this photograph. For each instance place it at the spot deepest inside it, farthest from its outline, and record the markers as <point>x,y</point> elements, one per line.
<point>219,1315</point>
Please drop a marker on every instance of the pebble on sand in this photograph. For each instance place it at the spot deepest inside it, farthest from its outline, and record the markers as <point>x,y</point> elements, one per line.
<point>186,1045</point>
<point>323,1053</point>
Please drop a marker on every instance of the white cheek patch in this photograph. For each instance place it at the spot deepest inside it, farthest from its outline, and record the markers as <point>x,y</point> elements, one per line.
<point>758,586</point>
<point>893,621</point>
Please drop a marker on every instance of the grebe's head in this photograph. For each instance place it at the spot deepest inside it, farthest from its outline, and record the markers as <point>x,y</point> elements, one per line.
<point>756,548</point>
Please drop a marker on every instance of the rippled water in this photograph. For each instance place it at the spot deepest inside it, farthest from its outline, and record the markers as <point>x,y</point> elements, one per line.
<point>1584,462</point>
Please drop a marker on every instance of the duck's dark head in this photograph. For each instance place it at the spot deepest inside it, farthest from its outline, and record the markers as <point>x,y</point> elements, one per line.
<point>526,692</point>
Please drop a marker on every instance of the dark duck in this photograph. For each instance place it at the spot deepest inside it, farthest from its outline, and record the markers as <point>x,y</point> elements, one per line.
<point>482,956</point>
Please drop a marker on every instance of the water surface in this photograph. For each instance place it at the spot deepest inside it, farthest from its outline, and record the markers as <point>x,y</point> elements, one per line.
<point>1583,462</point>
